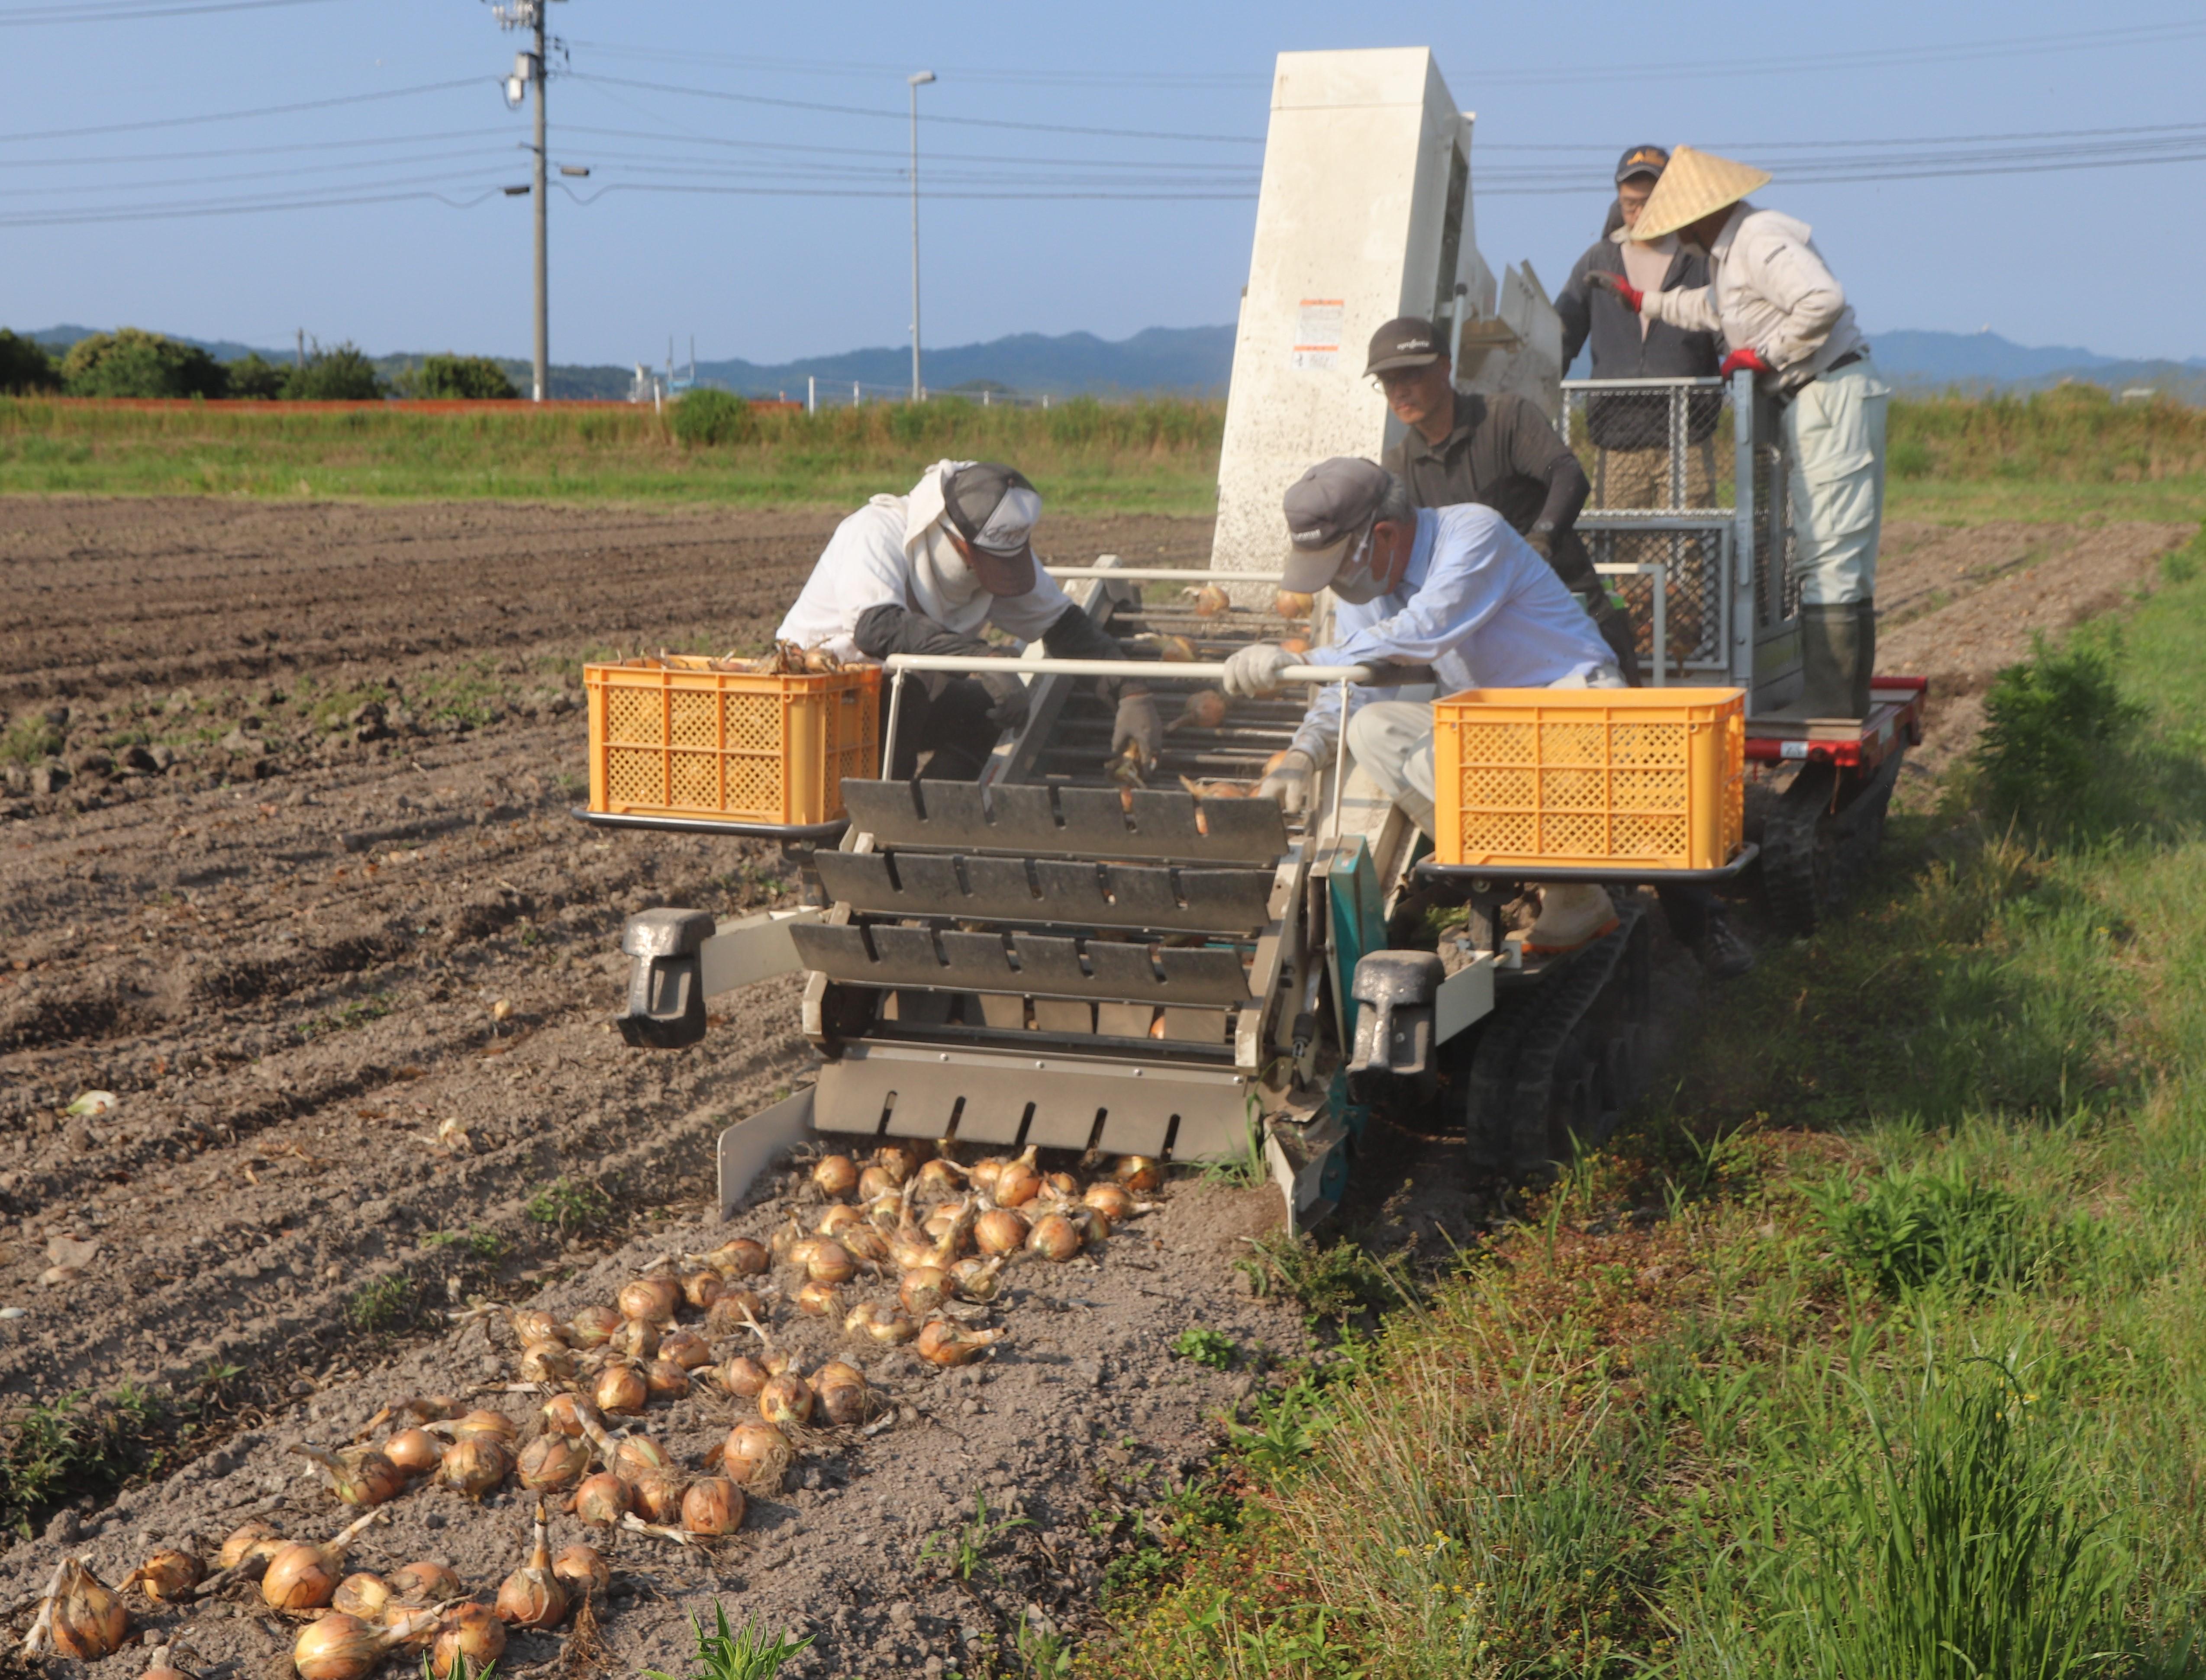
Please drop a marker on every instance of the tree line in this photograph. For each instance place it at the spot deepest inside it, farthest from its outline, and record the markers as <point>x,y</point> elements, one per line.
<point>131,362</point>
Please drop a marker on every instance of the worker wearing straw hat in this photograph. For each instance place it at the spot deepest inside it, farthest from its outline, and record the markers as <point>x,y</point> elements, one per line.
<point>1786,317</point>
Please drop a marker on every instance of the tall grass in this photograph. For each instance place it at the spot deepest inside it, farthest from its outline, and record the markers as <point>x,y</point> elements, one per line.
<point>2076,434</point>
<point>1907,1381</point>
<point>1158,454</point>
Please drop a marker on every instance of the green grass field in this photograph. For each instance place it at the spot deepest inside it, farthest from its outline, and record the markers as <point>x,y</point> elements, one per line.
<point>2071,455</point>
<point>1877,1349</point>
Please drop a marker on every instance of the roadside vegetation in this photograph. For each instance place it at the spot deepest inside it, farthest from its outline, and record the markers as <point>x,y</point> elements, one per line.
<point>2062,454</point>
<point>1877,1348</point>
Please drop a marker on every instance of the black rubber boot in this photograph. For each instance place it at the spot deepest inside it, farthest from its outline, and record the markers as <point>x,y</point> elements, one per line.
<point>1864,655</point>
<point>1833,668</point>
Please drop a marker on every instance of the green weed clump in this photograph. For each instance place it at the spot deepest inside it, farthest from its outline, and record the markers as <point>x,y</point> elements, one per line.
<point>2050,725</point>
<point>724,1654</point>
<point>1933,1227</point>
<point>56,1451</point>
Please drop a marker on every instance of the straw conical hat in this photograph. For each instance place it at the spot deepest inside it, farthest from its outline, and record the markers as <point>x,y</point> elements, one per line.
<point>1694,184</point>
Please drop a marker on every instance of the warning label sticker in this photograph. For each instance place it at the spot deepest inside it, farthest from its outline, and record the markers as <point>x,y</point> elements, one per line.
<point>1317,331</point>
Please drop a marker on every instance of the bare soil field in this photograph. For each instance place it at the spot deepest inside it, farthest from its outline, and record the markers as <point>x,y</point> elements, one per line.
<point>285,864</point>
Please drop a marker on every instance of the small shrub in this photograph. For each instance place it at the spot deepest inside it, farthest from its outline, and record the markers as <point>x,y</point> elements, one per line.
<point>708,418</point>
<point>567,1206</point>
<point>25,367</point>
<point>254,379</point>
<point>1909,458</point>
<point>725,1654</point>
<point>1329,1283</point>
<point>28,739</point>
<point>129,362</point>
<point>1213,1347</point>
<point>2049,725</point>
<point>475,378</point>
<point>52,1453</point>
<point>343,375</point>
<point>383,1304</point>
<point>1929,1228</point>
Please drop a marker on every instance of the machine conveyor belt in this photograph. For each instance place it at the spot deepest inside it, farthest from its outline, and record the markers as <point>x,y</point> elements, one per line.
<point>1033,964</point>
<point>1098,823</point>
<point>1048,889</point>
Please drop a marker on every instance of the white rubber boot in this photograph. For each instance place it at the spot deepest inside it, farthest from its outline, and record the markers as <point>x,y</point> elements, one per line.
<point>1572,913</point>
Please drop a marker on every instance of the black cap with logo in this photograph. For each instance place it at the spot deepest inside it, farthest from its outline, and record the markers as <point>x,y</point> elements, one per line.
<point>1641,160</point>
<point>1407,340</point>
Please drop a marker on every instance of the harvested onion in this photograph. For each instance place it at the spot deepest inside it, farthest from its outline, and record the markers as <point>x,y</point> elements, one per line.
<point>1138,1173</point>
<point>943,1344</point>
<point>739,1257</point>
<point>255,1539</point>
<point>867,1242</point>
<point>363,1594</point>
<point>638,1454</point>
<point>552,1461</point>
<point>686,1348</point>
<point>978,1280</point>
<point>665,1379</point>
<point>837,1220</point>
<point>658,1495</point>
<point>470,1633</point>
<point>1017,1182</point>
<point>1055,1237</point>
<point>725,1316</point>
<point>548,1362</point>
<point>486,1424</point>
<point>1209,600</point>
<point>876,1181</point>
<point>1113,1202</point>
<point>603,1498</point>
<point>923,1290</point>
<point>84,1617</point>
<point>531,1324</point>
<point>303,1576</point>
<point>883,1323</point>
<point>620,1388</point>
<point>636,1339</point>
<point>786,1401</point>
<point>1001,1230</point>
<point>474,1465</point>
<point>743,1377</point>
<point>338,1647</point>
<point>829,1262</point>
<point>757,1457</point>
<point>842,1391</point>
<point>701,1288</point>
<point>836,1176</point>
<point>569,1414</point>
<point>531,1596</point>
<point>712,1505</point>
<point>582,1570</point>
<point>425,1582</point>
<point>592,1327</point>
<point>1293,604</point>
<point>167,1573</point>
<point>651,1299</point>
<point>415,1451</point>
<point>360,1476</point>
<point>820,1301</point>
<point>940,1177</point>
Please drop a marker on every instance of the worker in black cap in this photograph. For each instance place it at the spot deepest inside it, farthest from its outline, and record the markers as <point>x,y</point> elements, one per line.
<point>1498,451</point>
<point>1632,432</point>
<point>927,573</point>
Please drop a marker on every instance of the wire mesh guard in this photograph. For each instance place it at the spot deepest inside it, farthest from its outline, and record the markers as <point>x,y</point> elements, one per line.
<point>666,740</point>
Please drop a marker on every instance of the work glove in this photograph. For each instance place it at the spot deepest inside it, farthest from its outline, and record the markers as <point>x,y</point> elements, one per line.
<point>1290,783</point>
<point>1625,293</point>
<point>1746,357</point>
<point>1008,696</point>
<point>1137,722</point>
<point>1253,672</point>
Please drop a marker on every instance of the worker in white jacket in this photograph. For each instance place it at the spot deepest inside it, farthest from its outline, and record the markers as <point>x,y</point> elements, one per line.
<point>927,573</point>
<point>1785,317</point>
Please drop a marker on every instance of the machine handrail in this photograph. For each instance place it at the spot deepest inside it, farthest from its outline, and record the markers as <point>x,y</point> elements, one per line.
<point>1664,382</point>
<point>1161,575</point>
<point>1198,671</point>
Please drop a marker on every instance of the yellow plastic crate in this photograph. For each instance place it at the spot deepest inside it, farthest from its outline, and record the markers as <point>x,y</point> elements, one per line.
<point>1590,779</point>
<point>692,742</point>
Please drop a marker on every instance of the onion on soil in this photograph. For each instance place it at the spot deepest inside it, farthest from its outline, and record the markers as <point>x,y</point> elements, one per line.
<point>942,1343</point>
<point>712,1505</point>
<point>363,1594</point>
<point>757,1459</point>
<point>360,1476</point>
<point>533,1596</point>
<point>637,1455</point>
<point>1055,1237</point>
<point>658,1495</point>
<point>166,1575</point>
<point>486,1424</point>
<point>876,1181</point>
<point>923,1290</point>
<point>739,1257</point>
<point>337,1647</point>
<point>835,1176</point>
<point>582,1570</point>
<point>620,1389</point>
<point>471,1633</point>
<point>725,1316</point>
<point>830,1262</point>
<point>592,1327</point>
<point>665,1379</point>
<point>651,1299</point>
<point>1113,1201</point>
<point>425,1582</point>
<point>548,1362</point>
<point>567,1414</point>
<point>1138,1173</point>
<point>819,1299</point>
<point>81,1616</point>
<point>531,1324</point>
<point>636,1339</point>
<point>881,1324</point>
<point>601,1499</point>
<point>687,1348</point>
<point>553,1461</point>
<point>786,1401</point>
<point>1001,1230</point>
<point>977,1279</point>
<point>304,1576</point>
<point>842,1392</point>
<point>415,1451</point>
<point>867,1242</point>
<point>743,1377</point>
<point>702,1288</point>
<point>254,1539</point>
<point>474,1465</point>
<point>837,1220</point>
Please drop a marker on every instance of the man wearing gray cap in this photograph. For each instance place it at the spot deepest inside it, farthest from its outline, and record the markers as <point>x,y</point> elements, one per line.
<point>926,572</point>
<point>1456,589</point>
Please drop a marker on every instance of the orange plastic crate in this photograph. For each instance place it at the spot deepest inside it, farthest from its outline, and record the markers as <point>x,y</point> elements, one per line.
<point>1590,779</point>
<point>692,742</point>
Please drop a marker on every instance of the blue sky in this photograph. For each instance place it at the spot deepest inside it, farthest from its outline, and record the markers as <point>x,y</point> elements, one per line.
<point>812,254</point>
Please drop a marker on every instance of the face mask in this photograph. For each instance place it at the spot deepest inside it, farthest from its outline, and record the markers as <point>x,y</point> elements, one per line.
<point>1353,583</point>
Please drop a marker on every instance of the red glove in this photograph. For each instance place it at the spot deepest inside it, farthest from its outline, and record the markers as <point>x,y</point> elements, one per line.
<point>1630,294</point>
<point>1746,358</point>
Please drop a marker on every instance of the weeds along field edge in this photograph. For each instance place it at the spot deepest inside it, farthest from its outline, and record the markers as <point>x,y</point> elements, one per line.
<point>1877,1347</point>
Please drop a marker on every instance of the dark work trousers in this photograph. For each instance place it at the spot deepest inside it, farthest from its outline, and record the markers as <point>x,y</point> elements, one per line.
<point>952,723</point>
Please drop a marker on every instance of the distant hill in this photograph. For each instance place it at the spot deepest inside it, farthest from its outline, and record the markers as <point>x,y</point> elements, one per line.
<point>1191,361</point>
<point>1984,361</point>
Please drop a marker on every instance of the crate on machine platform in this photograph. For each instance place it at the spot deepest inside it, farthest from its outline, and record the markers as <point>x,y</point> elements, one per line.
<point>673,737</point>
<point>1587,778</point>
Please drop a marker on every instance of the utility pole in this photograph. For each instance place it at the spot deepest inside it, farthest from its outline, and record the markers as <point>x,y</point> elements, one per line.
<point>917,82</point>
<point>532,70</point>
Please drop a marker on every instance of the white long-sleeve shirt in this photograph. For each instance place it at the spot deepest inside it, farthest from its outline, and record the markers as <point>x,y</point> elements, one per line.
<point>869,563</point>
<point>1476,603</point>
<point>1768,291</point>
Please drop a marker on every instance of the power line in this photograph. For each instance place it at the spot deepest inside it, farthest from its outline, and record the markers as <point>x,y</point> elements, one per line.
<point>898,115</point>
<point>254,151</point>
<point>242,115</point>
<point>847,70</point>
<point>138,10</point>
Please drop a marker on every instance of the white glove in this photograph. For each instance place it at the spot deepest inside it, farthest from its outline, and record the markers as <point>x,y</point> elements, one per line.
<point>1253,672</point>
<point>1290,783</point>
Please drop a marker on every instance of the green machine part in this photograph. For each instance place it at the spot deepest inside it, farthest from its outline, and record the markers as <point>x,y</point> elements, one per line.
<point>1356,925</point>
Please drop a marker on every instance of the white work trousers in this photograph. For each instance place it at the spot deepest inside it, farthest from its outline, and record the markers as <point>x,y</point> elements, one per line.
<point>1834,437</point>
<point>1393,739</point>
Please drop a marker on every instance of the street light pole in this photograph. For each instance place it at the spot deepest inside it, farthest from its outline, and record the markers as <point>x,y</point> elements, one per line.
<point>917,82</point>
<point>543,240</point>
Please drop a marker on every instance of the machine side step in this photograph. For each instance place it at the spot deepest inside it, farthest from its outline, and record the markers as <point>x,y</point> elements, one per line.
<point>1084,822</point>
<point>1048,889</point>
<point>1033,964</point>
